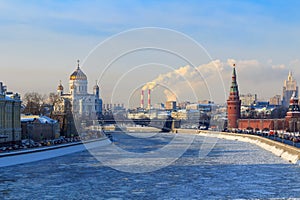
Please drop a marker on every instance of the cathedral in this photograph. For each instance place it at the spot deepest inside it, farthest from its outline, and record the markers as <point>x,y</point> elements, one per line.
<point>77,104</point>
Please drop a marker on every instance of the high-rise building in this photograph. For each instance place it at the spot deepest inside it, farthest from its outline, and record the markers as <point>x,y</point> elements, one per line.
<point>289,87</point>
<point>233,103</point>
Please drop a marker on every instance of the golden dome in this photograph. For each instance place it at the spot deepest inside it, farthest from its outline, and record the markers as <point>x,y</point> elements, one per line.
<point>78,74</point>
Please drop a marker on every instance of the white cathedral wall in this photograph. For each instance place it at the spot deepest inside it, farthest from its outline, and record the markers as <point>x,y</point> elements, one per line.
<point>80,85</point>
<point>84,104</point>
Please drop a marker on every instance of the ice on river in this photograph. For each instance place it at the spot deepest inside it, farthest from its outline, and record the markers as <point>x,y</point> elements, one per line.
<point>230,170</point>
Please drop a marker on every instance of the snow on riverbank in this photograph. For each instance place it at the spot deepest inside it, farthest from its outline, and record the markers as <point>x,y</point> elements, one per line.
<point>38,154</point>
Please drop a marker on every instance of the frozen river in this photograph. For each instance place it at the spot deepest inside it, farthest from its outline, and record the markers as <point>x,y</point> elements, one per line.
<point>231,170</point>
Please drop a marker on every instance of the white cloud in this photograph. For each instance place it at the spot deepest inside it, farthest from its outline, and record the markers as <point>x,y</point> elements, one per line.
<point>262,78</point>
<point>295,63</point>
<point>281,66</point>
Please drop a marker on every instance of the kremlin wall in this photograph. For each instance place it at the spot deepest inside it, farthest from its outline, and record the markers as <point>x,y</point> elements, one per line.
<point>290,123</point>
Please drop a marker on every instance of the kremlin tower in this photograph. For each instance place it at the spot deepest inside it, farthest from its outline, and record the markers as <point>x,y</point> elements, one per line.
<point>233,103</point>
<point>293,114</point>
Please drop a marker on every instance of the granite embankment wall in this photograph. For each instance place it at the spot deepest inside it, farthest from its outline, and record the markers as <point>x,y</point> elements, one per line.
<point>287,152</point>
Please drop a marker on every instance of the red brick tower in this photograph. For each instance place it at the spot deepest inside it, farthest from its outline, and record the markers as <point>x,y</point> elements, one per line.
<point>293,115</point>
<point>233,103</point>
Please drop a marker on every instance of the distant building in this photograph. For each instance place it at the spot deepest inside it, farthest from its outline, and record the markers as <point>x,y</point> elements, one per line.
<point>205,102</point>
<point>180,114</point>
<point>150,114</point>
<point>192,106</point>
<point>261,104</point>
<point>110,106</point>
<point>201,107</point>
<point>275,101</point>
<point>159,106</point>
<point>170,105</point>
<point>289,87</point>
<point>182,105</point>
<point>10,123</point>
<point>192,116</point>
<point>248,99</point>
<point>38,128</point>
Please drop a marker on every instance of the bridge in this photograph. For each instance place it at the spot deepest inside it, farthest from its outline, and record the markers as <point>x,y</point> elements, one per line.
<point>165,125</point>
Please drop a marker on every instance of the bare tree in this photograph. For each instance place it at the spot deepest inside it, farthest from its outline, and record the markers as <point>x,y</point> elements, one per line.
<point>33,103</point>
<point>53,97</point>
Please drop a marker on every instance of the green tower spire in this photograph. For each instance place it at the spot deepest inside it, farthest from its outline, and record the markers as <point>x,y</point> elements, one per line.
<point>234,86</point>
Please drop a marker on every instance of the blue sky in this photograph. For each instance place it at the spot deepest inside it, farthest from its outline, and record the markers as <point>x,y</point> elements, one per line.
<point>41,40</point>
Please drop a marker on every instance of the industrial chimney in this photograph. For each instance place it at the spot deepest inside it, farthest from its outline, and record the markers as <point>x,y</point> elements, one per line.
<point>149,99</point>
<point>142,99</point>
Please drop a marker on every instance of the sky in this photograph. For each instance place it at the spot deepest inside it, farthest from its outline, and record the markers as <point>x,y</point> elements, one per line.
<point>40,42</point>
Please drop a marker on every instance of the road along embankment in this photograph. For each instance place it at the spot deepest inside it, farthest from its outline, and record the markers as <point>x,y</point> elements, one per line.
<point>287,152</point>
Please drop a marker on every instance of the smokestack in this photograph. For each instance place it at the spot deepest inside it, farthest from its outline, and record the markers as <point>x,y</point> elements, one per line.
<point>142,99</point>
<point>149,98</point>
<point>1,88</point>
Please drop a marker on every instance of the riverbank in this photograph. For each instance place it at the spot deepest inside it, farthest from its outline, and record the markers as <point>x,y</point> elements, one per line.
<point>233,170</point>
<point>287,152</point>
<point>42,153</point>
